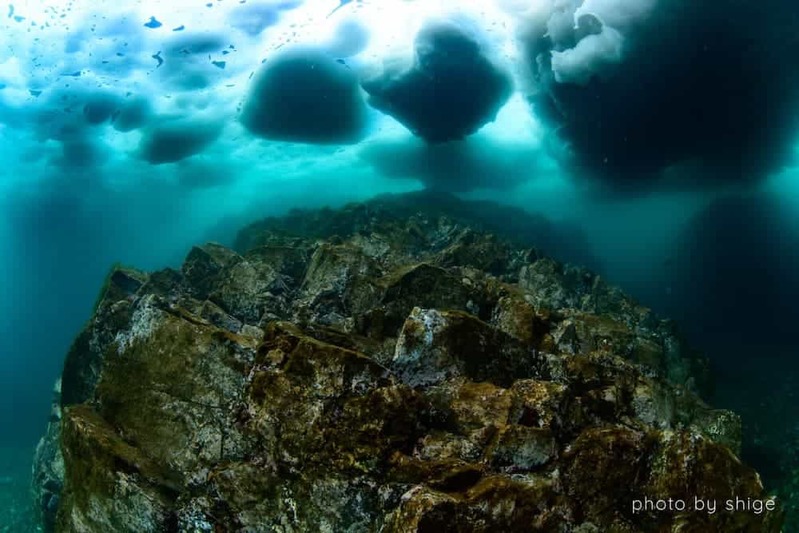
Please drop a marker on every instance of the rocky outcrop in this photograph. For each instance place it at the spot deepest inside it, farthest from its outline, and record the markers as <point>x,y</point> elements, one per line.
<point>407,373</point>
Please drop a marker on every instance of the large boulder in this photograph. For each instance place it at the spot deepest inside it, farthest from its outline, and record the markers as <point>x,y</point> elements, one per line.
<point>408,374</point>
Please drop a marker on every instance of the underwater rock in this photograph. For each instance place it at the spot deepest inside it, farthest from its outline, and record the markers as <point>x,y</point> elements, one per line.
<point>48,467</point>
<point>407,373</point>
<point>83,364</point>
<point>563,241</point>
<point>435,346</point>
<point>450,92</point>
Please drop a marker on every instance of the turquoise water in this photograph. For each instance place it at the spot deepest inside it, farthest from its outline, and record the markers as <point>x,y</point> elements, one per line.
<point>662,133</point>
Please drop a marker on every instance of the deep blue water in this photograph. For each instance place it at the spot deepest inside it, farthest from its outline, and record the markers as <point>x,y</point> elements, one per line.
<point>663,133</point>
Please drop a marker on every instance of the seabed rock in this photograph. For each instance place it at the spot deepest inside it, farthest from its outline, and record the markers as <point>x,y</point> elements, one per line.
<point>406,373</point>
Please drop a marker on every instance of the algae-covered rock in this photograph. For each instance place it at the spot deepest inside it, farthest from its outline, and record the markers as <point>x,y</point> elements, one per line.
<point>437,345</point>
<point>84,362</point>
<point>109,484</point>
<point>189,377</point>
<point>395,370</point>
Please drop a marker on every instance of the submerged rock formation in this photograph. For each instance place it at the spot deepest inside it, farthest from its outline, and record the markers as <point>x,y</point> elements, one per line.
<point>392,373</point>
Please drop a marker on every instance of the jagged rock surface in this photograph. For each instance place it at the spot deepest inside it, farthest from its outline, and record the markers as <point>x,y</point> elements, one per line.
<point>394,373</point>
